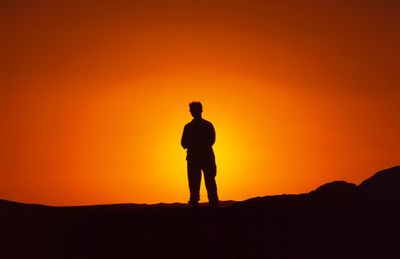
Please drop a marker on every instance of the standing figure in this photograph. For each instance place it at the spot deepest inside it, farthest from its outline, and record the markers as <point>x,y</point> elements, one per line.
<point>198,138</point>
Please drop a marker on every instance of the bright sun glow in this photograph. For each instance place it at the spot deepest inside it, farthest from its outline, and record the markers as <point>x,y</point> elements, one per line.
<point>232,142</point>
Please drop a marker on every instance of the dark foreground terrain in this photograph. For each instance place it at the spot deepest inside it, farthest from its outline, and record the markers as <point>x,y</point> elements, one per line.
<point>337,220</point>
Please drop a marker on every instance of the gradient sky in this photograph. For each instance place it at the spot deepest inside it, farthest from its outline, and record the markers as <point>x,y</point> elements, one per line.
<point>94,95</point>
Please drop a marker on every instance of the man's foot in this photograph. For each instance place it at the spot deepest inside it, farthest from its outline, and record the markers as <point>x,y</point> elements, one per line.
<point>214,204</point>
<point>193,204</point>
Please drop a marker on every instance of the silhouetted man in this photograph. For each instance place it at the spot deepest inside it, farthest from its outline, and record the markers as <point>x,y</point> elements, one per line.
<point>198,137</point>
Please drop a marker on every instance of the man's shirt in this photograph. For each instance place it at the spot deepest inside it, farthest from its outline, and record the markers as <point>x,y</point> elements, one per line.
<point>198,137</point>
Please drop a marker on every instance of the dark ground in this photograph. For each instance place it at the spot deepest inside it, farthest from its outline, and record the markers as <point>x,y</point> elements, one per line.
<point>338,220</point>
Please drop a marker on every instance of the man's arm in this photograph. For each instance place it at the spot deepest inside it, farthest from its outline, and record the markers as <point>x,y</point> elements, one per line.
<point>212,134</point>
<point>184,139</point>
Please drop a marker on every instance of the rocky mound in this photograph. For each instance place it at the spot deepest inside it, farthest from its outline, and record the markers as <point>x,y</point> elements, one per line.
<point>384,186</point>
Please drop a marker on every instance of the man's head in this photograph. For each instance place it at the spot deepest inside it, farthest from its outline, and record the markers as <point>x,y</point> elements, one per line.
<point>196,109</point>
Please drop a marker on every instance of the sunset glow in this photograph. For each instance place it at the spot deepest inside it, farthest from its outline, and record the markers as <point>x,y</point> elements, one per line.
<point>94,97</point>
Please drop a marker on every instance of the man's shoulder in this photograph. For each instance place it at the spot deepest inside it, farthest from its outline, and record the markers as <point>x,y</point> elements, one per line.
<point>188,124</point>
<point>208,123</point>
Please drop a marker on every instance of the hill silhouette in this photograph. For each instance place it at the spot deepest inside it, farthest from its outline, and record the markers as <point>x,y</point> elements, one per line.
<point>336,220</point>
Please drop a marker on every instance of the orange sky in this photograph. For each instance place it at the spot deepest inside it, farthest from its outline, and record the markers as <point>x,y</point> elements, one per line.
<point>93,96</point>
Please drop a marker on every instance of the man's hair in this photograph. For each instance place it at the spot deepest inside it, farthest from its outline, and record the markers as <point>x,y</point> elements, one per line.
<point>196,106</point>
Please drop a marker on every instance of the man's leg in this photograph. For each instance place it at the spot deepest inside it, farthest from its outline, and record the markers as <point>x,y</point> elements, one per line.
<point>210,171</point>
<point>194,177</point>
